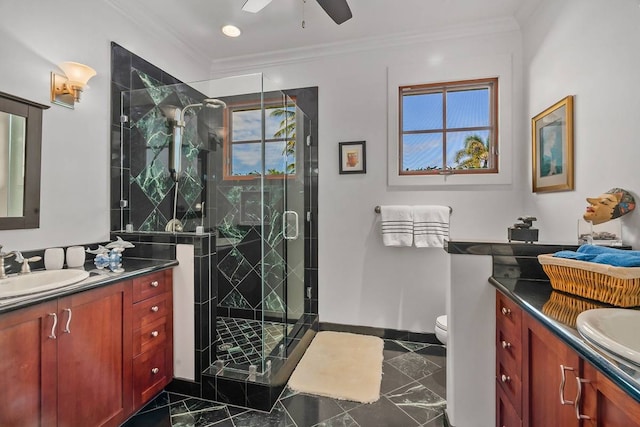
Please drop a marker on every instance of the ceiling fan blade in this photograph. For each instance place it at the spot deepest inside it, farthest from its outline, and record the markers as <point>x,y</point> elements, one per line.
<point>255,6</point>
<point>338,10</point>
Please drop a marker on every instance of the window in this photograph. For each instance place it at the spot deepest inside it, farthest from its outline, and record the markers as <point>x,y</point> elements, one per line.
<point>243,151</point>
<point>449,128</point>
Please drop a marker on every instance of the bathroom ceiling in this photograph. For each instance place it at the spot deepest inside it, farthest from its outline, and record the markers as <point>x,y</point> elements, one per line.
<point>194,25</point>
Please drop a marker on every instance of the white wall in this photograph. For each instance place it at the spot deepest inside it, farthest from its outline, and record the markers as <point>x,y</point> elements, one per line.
<point>361,282</point>
<point>589,49</point>
<point>34,37</point>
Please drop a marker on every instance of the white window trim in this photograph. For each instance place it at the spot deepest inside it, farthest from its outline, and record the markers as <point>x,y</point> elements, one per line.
<point>452,69</point>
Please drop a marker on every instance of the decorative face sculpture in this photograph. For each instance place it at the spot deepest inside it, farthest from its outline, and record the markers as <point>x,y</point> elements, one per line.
<point>610,205</point>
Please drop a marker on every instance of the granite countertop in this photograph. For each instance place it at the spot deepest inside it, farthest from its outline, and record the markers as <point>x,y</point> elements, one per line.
<point>542,302</point>
<point>133,267</point>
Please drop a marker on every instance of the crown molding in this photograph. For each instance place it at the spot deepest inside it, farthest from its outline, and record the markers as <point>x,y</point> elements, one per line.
<point>143,19</point>
<point>310,53</point>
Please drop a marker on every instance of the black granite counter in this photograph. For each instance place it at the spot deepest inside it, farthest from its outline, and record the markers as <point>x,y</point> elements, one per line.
<point>538,299</point>
<point>505,248</point>
<point>133,267</point>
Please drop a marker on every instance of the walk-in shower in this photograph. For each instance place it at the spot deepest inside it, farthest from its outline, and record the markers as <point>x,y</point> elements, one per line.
<point>234,159</point>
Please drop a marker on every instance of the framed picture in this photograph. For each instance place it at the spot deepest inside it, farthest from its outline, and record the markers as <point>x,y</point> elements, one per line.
<point>353,157</point>
<point>552,147</point>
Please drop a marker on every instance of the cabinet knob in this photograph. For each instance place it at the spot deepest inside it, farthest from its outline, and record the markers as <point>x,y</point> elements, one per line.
<point>155,371</point>
<point>505,378</point>
<point>154,284</point>
<point>154,334</point>
<point>155,308</point>
<point>506,344</point>
<point>506,311</point>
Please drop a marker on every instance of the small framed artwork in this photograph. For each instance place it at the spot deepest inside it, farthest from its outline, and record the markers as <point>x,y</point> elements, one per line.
<point>552,147</point>
<point>353,157</point>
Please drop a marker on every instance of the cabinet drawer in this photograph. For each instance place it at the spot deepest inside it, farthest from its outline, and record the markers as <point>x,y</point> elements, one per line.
<point>509,350</point>
<point>506,415</point>
<point>150,285</point>
<point>508,315</point>
<point>150,336</point>
<point>150,310</point>
<point>509,382</point>
<point>150,375</point>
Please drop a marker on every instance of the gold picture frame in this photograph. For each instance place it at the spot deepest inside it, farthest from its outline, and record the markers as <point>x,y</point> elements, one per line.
<point>552,147</point>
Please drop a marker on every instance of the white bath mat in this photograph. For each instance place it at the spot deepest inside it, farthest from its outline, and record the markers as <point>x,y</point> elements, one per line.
<point>341,366</point>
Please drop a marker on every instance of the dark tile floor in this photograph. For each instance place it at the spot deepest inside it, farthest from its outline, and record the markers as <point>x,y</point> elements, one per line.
<point>412,394</point>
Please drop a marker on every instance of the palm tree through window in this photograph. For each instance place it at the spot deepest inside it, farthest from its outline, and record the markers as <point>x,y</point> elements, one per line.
<point>244,153</point>
<point>449,128</point>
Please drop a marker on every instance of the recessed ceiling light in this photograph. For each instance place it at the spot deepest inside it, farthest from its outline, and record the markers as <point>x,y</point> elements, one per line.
<point>231,31</point>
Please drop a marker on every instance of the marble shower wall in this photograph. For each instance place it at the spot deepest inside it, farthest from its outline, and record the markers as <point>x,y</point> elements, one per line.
<point>145,95</point>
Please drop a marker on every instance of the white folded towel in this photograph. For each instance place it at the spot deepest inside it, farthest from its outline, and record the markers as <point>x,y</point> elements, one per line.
<point>397,225</point>
<point>430,226</point>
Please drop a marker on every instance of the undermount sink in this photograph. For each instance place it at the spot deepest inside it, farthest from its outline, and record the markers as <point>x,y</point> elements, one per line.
<point>614,330</point>
<point>39,281</point>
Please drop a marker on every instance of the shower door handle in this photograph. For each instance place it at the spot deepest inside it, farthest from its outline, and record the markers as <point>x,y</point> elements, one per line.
<point>285,229</point>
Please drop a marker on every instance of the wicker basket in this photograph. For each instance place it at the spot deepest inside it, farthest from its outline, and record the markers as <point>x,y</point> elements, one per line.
<point>565,308</point>
<point>619,286</point>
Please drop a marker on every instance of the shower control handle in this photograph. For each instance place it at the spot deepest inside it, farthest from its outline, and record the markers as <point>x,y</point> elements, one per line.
<point>285,231</point>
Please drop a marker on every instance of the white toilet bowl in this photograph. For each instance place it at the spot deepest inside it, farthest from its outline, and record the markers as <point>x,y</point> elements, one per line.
<point>441,329</point>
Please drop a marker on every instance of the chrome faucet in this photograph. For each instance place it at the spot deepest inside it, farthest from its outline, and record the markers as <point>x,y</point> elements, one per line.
<point>3,255</point>
<point>25,262</point>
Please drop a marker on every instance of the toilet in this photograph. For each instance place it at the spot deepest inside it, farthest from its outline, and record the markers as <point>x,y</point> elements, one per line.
<point>441,329</point>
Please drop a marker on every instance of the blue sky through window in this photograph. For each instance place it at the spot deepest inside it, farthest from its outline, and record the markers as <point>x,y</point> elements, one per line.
<point>246,158</point>
<point>423,112</point>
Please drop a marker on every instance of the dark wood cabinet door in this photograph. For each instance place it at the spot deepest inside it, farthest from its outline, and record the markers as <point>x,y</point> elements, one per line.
<point>95,357</point>
<point>606,402</point>
<point>544,354</point>
<point>28,366</point>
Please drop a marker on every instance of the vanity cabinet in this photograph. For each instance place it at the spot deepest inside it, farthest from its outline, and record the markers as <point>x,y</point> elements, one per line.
<point>86,359</point>
<point>59,356</point>
<point>28,361</point>
<point>152,335</point>
<point>94,347</point>
<point>553,385</point>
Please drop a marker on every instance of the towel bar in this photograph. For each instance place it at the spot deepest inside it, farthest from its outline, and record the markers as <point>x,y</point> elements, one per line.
<point>377,209</point>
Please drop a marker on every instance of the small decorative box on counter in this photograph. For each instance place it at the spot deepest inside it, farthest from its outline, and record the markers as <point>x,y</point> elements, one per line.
<point>619,286</point>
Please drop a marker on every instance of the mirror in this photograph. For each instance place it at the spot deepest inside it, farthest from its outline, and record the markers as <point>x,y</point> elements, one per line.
<point>20,141</point>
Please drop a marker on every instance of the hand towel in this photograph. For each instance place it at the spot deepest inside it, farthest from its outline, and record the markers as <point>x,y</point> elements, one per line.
<point>397,225</point>
<point>603,255</point>
<point>430,226</point>
<point>580,256</point>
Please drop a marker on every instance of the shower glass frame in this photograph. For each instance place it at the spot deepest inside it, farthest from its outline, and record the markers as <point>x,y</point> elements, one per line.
<point>282,190</point>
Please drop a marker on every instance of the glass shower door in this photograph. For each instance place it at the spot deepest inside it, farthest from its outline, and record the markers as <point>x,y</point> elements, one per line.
<point>283,226</point>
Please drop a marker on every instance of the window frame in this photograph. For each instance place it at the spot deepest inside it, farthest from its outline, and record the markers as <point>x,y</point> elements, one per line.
<point>228,137</point>
<point>492,83</point>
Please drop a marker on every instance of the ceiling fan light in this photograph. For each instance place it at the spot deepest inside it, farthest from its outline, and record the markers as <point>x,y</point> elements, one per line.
<point>231,31</point>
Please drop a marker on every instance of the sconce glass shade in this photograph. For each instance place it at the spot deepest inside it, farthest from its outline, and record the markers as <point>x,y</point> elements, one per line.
<point>78,74</point>
<point>66,90</point>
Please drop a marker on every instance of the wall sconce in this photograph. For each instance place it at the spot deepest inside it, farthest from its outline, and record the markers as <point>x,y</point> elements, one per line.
<point>66,89</point>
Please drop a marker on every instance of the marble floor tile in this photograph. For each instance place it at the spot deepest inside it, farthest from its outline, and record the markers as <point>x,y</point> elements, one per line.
<point>382,413</point>
<point>413,392</point>
<point>434,353</point>
<point>307,410</point>
<point>418,401</point>
<point>414,365</point>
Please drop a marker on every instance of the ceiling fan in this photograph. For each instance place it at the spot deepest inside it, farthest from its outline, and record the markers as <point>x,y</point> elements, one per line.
<point>338,10</point>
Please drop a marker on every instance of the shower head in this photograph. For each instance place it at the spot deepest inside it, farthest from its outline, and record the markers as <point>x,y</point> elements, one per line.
<point>214,103</point>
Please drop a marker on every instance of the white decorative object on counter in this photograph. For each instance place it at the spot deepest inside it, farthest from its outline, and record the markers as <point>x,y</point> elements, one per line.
<point>53,258</point>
